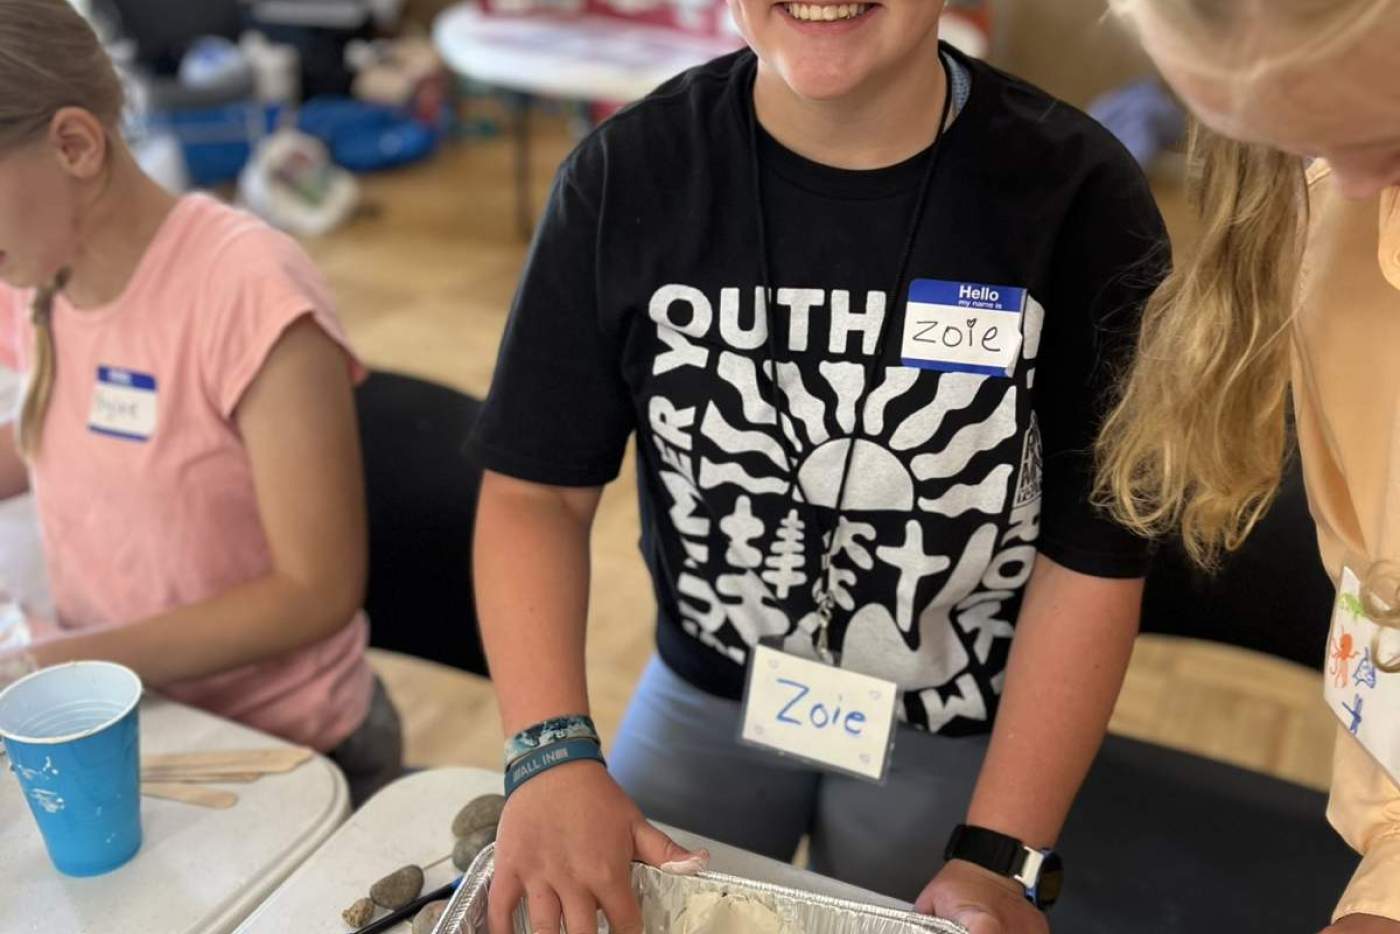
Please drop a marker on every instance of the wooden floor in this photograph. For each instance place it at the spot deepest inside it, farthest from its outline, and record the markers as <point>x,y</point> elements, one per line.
<point>424,280</point>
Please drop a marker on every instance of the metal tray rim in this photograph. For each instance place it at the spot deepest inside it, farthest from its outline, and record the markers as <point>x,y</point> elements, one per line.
<point>478,877</point>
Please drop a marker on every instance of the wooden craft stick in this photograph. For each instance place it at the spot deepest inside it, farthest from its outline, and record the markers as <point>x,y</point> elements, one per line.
<point>217,798</point>
<point>263,761</point>
<point>203,778</point>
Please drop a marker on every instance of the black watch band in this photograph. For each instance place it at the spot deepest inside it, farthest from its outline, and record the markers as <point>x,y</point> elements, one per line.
<point>1040,872</point>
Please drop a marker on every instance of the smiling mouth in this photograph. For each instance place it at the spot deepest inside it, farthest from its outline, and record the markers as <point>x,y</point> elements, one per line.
<point>826,12</point>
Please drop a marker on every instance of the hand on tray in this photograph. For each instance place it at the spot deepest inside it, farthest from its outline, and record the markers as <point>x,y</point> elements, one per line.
<point>1364,924</point>
<point>566,843</point>
<point>981,901</point>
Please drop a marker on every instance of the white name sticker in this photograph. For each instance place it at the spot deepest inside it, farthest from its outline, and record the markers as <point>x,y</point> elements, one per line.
<point>1364,698</point>
<point>830,717</point>
<point>963,327</point>
<point>123,404</point>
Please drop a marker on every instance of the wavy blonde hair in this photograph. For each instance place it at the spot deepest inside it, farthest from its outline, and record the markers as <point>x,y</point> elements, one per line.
<point>50,59</point>
<point>1198,439</point>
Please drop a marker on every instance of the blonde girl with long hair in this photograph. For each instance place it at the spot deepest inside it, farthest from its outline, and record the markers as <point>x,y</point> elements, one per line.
<point>188,429</point>
<point>1291,298</point>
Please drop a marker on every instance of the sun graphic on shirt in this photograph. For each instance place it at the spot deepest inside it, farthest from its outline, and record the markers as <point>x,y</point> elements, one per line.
<point>892,467</point>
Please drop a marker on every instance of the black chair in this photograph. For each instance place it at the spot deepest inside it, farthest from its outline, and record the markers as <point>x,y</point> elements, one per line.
<point>1271,596</point>
<point>163,31</point>
<point>1165,842</point>
<point>422,489</point>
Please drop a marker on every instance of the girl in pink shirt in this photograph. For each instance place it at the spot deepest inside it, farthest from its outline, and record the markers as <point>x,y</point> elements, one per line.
<point>189,428</point>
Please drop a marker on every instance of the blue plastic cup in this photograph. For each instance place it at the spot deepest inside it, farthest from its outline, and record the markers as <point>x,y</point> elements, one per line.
<point>71,735</point>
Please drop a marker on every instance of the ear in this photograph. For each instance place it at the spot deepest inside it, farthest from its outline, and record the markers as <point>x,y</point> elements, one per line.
<point>79,141</point>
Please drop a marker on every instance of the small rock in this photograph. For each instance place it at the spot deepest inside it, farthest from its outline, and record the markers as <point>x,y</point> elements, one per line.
<point>469,847</point>
<point>358,914</point>
<point>398,888</point>
<point>479,814</point>
<point>427,919</point>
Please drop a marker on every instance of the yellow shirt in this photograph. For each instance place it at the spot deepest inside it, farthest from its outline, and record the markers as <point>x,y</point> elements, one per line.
<point>1346,388</point>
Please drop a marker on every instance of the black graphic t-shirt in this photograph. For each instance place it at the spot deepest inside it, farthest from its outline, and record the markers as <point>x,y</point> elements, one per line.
<point>642,309</point>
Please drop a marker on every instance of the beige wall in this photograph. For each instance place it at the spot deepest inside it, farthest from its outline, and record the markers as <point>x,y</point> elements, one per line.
<point>1071,48</point>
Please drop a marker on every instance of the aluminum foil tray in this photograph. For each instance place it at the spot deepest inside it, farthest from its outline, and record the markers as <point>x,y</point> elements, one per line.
<point>680,905</point>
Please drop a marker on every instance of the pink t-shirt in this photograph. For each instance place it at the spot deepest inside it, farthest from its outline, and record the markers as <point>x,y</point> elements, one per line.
<point>144,488</point>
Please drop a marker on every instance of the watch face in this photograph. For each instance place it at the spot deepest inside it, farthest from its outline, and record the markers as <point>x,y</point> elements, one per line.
<point>1052,880</point>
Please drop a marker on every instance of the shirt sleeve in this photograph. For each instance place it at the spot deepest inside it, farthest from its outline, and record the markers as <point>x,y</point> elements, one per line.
<point>264,284</point>
<point>1365,809</point>
<point>1110,255</point>
<point>559,412</point>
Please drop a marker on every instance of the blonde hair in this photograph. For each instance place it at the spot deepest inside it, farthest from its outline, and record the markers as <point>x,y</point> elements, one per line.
<point>1198,439</point>
<point>50,59</point>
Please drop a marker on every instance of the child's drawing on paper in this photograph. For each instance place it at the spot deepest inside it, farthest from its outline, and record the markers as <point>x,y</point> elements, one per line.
<point>1343,651</point>
<point>1354,708</point>
<point>1365,670</point>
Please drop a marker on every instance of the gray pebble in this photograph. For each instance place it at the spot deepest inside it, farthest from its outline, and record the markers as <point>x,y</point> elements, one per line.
<point>469,847</point>
<point>427,919</point>
<point>478,815</point>
<point>358,914</point>
<point>398,888</point>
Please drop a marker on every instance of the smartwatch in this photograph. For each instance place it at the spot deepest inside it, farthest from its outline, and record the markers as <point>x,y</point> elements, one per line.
<point>1040,872</point>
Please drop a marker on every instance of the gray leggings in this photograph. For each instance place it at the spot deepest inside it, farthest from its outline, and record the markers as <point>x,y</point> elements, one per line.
<point>372,756</point>
<point>678,755</point>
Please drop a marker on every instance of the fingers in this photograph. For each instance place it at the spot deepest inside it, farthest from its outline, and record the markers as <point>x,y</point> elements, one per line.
<point>620,904</point>
<point>580,912</point>
<point>505,895</point>
<point>979,922</point>
<point>656,849</point>
<point>544,908</point>
<point>933,901</point>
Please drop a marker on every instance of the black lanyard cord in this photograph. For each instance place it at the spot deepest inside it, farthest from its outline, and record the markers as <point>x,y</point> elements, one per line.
<point>825,598</point>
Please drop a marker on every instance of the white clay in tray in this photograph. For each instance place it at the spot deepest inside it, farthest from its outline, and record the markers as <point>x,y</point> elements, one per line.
<point>717,913</point>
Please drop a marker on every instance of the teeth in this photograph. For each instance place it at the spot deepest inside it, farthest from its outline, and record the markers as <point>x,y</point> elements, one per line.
<point>825,13</point>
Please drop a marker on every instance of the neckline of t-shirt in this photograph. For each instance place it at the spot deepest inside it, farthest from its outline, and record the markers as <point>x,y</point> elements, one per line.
<point>169,226</point>
<point>862,184</point>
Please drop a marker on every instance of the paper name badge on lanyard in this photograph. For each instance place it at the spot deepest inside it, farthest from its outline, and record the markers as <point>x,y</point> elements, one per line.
<point>123,404</point>
<point>963,327</point>
<point>836,719</point>
<point>1364,698</point>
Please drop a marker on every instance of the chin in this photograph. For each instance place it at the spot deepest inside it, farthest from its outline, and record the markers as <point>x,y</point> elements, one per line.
<point>822,80</point>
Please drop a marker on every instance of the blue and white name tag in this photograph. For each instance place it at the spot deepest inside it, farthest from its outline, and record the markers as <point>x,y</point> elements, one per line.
<point>963,327</point>
<point>828,716</point>
<point>123,404</point>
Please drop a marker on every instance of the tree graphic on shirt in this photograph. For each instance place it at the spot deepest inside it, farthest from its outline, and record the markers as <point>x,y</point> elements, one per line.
<point>785,563</point>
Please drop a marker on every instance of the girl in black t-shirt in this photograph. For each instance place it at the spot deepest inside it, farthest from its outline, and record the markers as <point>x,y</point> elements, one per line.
<point>859,298</point>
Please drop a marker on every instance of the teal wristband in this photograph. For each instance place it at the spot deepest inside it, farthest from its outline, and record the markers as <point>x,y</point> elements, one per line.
<point>549,732</point>
<point>545,758</point>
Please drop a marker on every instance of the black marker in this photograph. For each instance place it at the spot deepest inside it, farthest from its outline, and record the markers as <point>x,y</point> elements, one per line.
<point>408,911</point>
